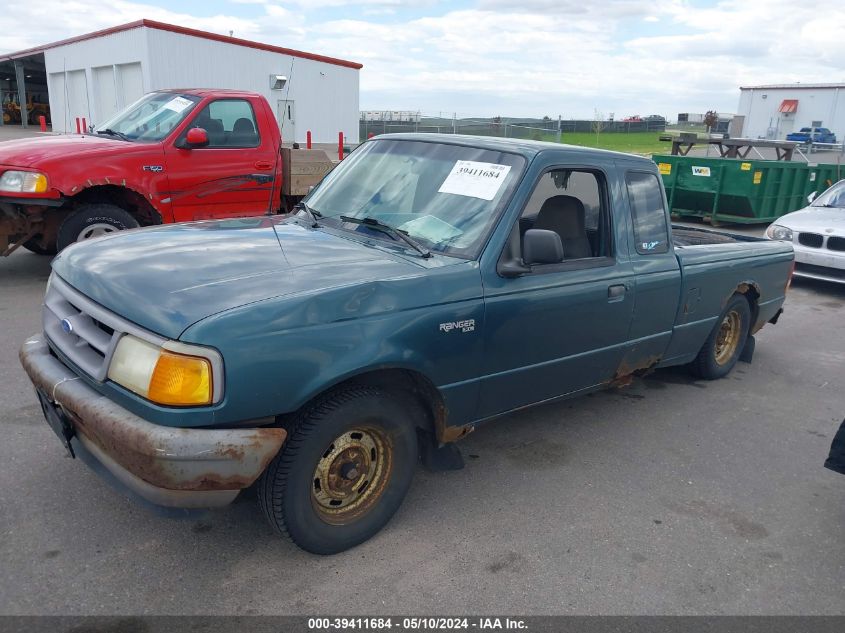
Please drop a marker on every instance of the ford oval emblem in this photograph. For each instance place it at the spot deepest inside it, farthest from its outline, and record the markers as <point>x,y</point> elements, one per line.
<point>67,326</point>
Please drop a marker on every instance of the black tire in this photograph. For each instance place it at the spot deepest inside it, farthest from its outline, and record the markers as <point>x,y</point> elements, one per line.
<point>34,245</point>
<point>95,217</point>
<point>290,492</point>
<point>723,347</point>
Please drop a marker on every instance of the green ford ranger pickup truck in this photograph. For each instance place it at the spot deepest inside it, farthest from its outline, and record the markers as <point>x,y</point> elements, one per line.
<point>428,284</point>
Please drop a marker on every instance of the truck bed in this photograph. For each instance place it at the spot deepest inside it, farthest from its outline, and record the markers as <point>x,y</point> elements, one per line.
<point>709,276</point>
<point>694,236</point>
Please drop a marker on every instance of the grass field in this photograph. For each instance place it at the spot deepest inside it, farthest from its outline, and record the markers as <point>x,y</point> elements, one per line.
<point>646,143</point>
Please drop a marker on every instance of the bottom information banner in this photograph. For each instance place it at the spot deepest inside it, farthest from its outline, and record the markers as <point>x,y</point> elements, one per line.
<point>383,623</point>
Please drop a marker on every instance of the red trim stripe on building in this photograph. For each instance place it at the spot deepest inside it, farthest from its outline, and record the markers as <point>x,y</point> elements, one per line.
<point>163,26</point>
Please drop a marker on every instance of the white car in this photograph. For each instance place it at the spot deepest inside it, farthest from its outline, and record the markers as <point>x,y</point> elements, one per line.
<point>817,234</point>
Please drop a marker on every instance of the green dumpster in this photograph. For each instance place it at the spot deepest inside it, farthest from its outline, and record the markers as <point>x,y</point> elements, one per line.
<point>823,176</point>
<point>734,190</point>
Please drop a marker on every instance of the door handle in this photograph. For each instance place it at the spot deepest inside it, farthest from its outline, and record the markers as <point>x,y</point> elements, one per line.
<point>616,292</point>
<point>263,164</point>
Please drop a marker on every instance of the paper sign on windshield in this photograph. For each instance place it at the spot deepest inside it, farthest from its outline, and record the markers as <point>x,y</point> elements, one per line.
<point>476,180</point>
<point>177,104</point>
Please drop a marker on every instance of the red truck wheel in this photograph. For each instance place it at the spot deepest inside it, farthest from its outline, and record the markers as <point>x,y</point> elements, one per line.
<point>93,220</point>
<point>343,471</point>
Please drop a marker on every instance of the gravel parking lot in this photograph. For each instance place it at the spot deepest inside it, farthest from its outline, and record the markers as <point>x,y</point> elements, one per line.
<point>668,497</point>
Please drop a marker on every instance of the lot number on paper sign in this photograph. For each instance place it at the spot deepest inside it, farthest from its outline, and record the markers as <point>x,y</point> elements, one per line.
<point>177,104</point>
<point>476,180</point>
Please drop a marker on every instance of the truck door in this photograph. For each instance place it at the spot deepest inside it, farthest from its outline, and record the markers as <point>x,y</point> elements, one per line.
<point>233,175</point>
<point>656,270</point>
<point>561,327</point>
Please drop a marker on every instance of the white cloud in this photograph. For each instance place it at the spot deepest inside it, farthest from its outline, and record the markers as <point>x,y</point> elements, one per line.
<point>532,57</point>
<point>32,24</point>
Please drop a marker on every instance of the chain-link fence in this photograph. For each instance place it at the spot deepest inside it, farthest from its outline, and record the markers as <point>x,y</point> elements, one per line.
<point>372,124</point>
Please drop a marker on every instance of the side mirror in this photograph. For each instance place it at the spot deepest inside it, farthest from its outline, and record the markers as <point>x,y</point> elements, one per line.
<point>812,196</point>
<point>541,247</point>
<point>196,137</point>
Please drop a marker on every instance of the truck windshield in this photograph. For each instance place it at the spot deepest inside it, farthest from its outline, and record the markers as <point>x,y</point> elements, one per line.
<point>445,197</point>
<point>151,118</point>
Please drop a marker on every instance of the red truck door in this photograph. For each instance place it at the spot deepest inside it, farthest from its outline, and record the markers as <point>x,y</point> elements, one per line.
<point>233,175</point>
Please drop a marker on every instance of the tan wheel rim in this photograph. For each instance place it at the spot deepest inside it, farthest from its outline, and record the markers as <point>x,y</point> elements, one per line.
<point>351,475</point>
<point>727,340</point>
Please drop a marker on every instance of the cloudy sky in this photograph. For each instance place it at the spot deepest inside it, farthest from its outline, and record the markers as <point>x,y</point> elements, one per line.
<point>509,57</point>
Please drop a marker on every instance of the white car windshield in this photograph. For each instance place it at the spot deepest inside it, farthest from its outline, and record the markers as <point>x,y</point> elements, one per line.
<point>151,118</point>
<point>832,197</point>
<point>445,197</point>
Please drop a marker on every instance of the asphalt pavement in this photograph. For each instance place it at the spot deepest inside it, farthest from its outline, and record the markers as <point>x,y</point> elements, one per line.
<point>671,496</point>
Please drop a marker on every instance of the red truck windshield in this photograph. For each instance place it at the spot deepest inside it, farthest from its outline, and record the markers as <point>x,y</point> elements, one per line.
<point>151,118</point>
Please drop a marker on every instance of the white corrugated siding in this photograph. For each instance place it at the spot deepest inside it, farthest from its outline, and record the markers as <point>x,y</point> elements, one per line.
<point>324,96</point>
<point>124,47</point>
<point>760,108</point>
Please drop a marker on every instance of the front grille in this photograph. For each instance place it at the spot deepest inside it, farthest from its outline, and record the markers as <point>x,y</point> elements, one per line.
<point>837,273</point>
<point>82,330</point>
<point>813,240</point>
<point>836,243</point>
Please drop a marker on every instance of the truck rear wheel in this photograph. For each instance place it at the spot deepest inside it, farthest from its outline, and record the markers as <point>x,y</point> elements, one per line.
<point>343,471</point>
<point>93,220</point>
<point>723,347</point>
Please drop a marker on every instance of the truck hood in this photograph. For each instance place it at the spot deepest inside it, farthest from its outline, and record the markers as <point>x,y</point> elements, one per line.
<point>824,220</point>
<point>167,278</point>
<point>34,152</point>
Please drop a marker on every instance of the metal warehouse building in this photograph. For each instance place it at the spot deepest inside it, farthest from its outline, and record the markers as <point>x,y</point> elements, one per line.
<point>774,111</point>
<point>95,75</point>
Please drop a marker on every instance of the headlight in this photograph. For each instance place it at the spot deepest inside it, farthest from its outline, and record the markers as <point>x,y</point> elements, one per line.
<point>173,374</point>
<point>23,182</point>
<point>778,232</point>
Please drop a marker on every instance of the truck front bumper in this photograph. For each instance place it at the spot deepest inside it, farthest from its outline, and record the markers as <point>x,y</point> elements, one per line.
<point>173,467</point>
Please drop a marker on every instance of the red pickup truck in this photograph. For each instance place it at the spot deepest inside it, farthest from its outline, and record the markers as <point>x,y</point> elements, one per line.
<point>172,156</point>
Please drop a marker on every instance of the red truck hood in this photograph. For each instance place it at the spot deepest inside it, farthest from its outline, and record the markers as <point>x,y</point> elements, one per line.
<point>34,152</point>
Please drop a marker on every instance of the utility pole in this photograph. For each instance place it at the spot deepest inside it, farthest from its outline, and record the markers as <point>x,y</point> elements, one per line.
<point>558,128</point>
<point>454,123</point>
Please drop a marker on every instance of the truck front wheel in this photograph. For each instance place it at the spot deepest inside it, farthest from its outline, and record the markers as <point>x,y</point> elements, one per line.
<point>723,347</point>
<point>93,220</point>
<point>343,471</point>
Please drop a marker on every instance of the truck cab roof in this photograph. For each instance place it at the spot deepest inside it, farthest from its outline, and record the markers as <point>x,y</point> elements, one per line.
<point>527,148</point>
<point>203,92</point>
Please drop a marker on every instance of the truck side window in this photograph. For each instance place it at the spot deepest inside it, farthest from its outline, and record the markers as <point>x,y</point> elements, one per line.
<point>651,232</point>
<point>229,123</point>
<point>571,203</point>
